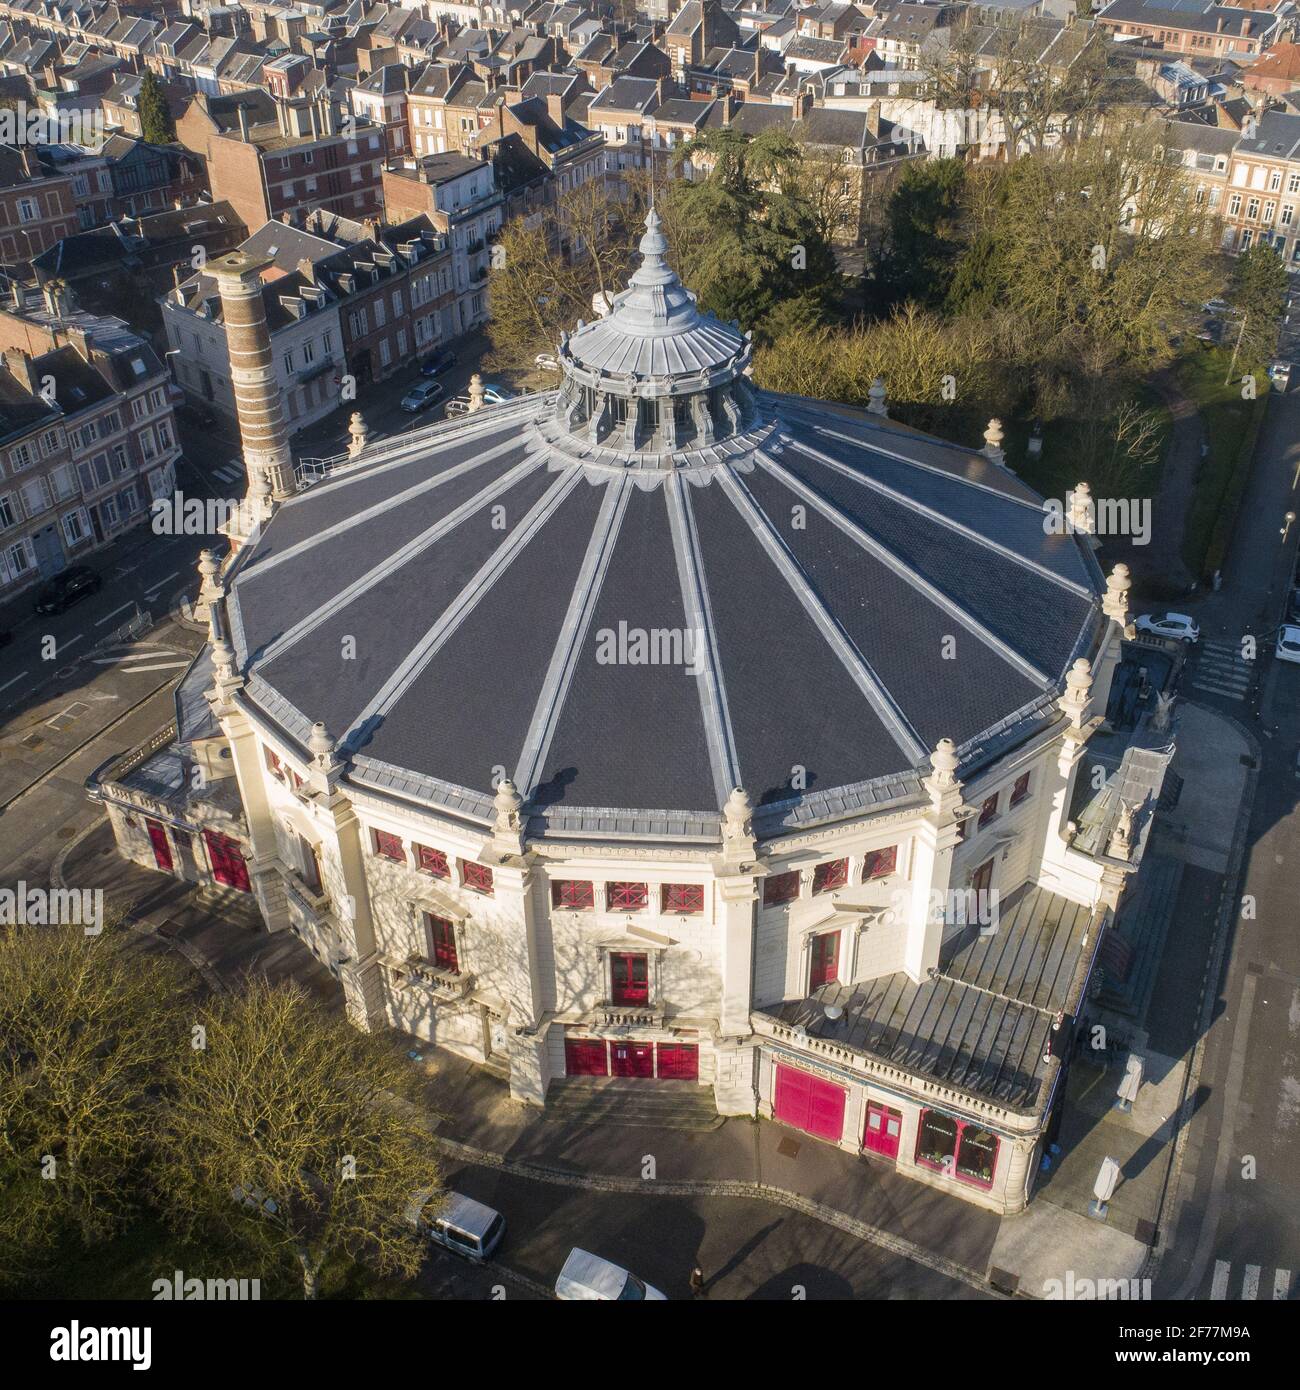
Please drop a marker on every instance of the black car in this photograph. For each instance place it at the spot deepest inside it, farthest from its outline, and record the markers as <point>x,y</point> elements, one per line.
<point>441,361</point>
<point>68,588</point>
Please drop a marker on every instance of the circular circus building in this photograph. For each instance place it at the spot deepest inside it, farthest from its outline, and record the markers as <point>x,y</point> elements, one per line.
<point>662,729</point>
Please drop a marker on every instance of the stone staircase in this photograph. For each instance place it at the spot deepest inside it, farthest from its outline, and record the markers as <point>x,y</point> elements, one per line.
<point>643,1103</point>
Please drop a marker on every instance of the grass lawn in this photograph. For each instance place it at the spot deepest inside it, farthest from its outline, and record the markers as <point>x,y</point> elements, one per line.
<point>1231,427</point>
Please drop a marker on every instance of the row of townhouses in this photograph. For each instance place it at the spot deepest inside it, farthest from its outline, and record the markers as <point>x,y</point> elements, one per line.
<point>87,434</point>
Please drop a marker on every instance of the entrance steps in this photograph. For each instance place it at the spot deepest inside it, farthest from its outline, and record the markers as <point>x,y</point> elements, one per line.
<point>649,1104</point>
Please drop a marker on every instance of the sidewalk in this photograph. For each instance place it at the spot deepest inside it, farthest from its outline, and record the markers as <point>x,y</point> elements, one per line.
<point>1056,1236</point>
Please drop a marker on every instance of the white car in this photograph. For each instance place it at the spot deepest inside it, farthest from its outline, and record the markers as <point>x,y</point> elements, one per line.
<point>586,1278</point>
<point>546,362</point>
<point>1279,373</point>
<point>1176,625</point>
<point>1288,643</point>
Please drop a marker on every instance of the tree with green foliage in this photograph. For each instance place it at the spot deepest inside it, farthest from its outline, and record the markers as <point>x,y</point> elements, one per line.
<point>1257,292</point>
<point>156,122</point>
<point>925,236</point>
<point>293,1134</point>
<point>748,238</point>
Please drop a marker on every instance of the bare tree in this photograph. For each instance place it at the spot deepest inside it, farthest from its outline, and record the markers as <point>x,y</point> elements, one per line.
<point>84,1035</point>
<point>295,1135</point>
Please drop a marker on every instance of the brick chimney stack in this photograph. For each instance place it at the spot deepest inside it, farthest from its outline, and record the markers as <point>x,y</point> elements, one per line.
<point>259,403</point>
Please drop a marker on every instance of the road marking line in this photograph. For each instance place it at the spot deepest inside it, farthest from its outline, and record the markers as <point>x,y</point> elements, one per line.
<point>159,666</point>
<point>113,614</point>
<point>15,680</point>
<point>1219,1289</point>
<point>153,588</point>
<point>70,641</point>
<point>1281,1284</point>
<point>1250,1284</point>
<point>225,475</point>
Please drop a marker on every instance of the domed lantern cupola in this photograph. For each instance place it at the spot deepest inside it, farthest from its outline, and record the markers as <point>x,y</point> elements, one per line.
<point>655,375</point>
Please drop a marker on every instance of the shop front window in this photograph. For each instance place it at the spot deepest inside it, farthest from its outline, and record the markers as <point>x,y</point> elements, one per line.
<point>959,1148</point>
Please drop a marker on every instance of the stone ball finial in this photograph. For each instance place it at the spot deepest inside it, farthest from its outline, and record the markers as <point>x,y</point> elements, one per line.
<point>321,744</point>
<point>507,803</point>
<point>223,656</point>
<point>358,433</point>
<point>1080,678</point>
<point>1118,582</point>
<point>1082,517</point>
<point>993,435</point>
<point>258,486</point>
<point>1120,578</point>
<point>476,392</point>
<point>944,761</point>
<point>876,397</point>
<point>209,566</point>
<point>737,815</point>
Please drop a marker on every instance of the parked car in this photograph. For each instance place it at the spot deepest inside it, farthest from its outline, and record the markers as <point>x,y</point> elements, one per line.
<point>61,592</point>
<point>1279,373</point>
<point>421,396</point>
<point>546,361</point>
<point>1176,625</point>
<point>1293,609</point>
<point>494,394</point>
<point>466,1227</point>
<point>1288,643</point>
<point>587,1278</point>
<point>439,362</point>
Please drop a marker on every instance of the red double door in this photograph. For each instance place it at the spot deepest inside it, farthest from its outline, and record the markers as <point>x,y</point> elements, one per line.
<point>883,1128</point>
<point>162,849</point>
<point>809,1103</point>
<point>631,1059</point>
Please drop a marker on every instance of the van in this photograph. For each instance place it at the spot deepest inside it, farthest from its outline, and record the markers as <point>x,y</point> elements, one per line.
<point>466,1227</point>
<point>587,1278</point>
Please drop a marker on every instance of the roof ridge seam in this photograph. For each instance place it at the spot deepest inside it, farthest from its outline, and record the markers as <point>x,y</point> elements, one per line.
<point>908,573</point>
<point>716,712</point>
<point>415,547</point>
<point>450,619</point>
<point>846,650</point>
<point>577,620</point>
<point>912,504</point>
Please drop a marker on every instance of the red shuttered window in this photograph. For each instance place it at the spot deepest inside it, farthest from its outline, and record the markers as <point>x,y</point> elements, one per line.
<point>389,846</point>
<point>781,888</point>
<point>476,876</point>
<point>880,863</point>
<point>573,894</point>
<point>1020,790</point>
<point>988,811</point>
<point>273,765</point>
<point>682,899</point>
<point>626,897</point>
<point>432,861</point>
<point>834,873</point>
<point>442,942</point>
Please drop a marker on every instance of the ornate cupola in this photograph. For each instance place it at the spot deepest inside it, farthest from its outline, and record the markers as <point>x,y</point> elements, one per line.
<point>655,376</point>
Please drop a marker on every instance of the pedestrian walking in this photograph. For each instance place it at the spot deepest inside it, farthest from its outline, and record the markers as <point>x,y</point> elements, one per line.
<point>697,1282</point>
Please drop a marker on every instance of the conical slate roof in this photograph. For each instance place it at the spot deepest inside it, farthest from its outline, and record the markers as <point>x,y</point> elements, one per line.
<point>802,606</point>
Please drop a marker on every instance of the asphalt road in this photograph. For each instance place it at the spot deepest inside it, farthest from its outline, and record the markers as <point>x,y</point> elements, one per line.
<point>746,1249</point>
<point>1238,1226</point>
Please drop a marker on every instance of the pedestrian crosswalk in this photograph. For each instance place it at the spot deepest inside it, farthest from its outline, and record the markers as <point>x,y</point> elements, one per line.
<point>1220,669</point>
<point>229,472</point>
<point>1226,1288</point>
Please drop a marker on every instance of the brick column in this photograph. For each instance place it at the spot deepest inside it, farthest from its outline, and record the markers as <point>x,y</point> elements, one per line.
<point>258,399</point>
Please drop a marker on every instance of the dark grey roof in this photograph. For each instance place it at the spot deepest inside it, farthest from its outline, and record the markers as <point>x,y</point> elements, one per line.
<point>983,1023</point>
<point>852,591</point>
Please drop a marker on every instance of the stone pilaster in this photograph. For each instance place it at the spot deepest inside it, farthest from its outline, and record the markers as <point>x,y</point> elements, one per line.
<point>936,840</point>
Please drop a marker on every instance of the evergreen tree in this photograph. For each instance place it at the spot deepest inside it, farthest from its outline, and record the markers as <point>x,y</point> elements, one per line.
<point>156,123</point>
